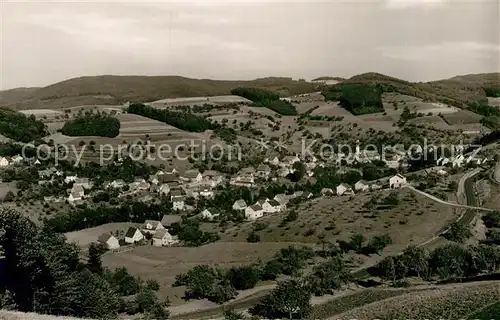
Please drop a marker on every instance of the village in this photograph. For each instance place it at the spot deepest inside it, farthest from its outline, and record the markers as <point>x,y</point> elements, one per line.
<point>184,189</point>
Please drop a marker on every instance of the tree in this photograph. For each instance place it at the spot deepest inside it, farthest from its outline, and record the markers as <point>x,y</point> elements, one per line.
<point>351,177</point>
<point>378,243</point>
<point>392,268</point>
<point>9,196</point>
<point>328,276</point>
<point>356,242</point>
<point>458,232</point>
<point>271,270</point>
<point>451,261</point>
<point>201,281</point>
<point>242,278</point>
<point>415,258</point>
<point>253,237</point>
<point>289,299</point>
<point>94,262</point>
<point>230,314</point>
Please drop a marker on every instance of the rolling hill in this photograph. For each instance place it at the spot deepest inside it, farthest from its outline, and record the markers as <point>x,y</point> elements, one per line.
<point>110,90</point>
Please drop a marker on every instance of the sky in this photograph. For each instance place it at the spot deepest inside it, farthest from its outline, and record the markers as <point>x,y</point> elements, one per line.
<point>43,42</point>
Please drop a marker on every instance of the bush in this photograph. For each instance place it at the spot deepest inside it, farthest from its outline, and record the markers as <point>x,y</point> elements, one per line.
<point>92,125</point>
<point>253,237</point>
<point>242,278</point>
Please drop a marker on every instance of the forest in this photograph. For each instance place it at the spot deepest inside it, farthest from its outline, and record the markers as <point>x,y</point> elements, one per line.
<point>19,127</point>
<point>357,98</point>
<point>91,124</point>
<point>266,99</point>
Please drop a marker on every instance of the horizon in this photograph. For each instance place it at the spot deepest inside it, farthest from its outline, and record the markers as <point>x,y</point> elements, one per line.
<point>414,40</point>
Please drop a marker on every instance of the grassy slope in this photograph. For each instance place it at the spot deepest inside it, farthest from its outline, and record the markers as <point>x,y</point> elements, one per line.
<point>119,89</point>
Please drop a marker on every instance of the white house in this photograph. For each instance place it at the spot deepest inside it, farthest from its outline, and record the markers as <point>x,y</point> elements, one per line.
<point>272,206</point>
<point>239,205</point>
<point>289,160</point>
<point>4,162</point>
<point>69,179</point>
<point>458,161</point>
<point>361,185</point>
<point>151,226</point>
<point>163,238</point>
<point>344,189</point>
<point>164,189</point>
<point>209,214</point>
<point>397,181</point>
<point>442,161</point>
<point>17,159</point>
<point>76,194</point>
<point>327,192</point>
<point>206,192</point>
<point>254,212</point>
<point>133,235</point>
<point>109,240</point>
<point>178,202</point>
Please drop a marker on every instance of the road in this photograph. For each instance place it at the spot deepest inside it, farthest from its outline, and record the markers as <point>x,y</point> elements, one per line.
<point>465,191</point>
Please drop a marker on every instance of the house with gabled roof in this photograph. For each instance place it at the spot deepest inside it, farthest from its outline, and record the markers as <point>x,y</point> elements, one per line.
<point>193,175</point>
<point>84,182</point>
<point>212,178</point>
<point>327,192</point>
<point>151,226</point>
<point>133,235</point>
<point>163,238</point>
<point>239,205</point>
<point>361,185</point>
<point>397,181</point>
<point>210,213</point>
<point>110,241</point>
<point>263,171</point>
<point>344,189</point>
<point>282,198</point>
<point>178,202</point>
<point>254,212</point>
<point>272,206</point>
<point>273,160</point>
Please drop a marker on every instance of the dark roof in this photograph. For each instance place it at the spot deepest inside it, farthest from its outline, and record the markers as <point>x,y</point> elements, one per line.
<point>165,178</point>
<point>105,237</point>
<point>191,174</point>
<point>168,219</point>
<point>131,232</point>
<point>256,207</point>
<point>176,192</point>
<point>273,203</point>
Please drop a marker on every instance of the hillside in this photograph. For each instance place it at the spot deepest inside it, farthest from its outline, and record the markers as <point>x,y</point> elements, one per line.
<point>457,91</point>
<point>110,90</point>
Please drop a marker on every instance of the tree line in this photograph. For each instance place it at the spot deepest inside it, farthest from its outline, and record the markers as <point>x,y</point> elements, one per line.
<point>20,127</point>
<point>42,273</point>
<point>266,99</point>
<point>357,98</point>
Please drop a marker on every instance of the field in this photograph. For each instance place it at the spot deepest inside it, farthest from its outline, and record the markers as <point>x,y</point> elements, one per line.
<point>214,100</point>
<point>164,263</point>
<point>453,302</point>
<point>413,221</point>
<point>86,236</point>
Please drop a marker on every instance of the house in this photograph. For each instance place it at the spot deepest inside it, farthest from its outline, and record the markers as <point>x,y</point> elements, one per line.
<point>163,238</point>
<point>109,241</point>
<point>442,161</point>
<point>239,205</point>
<point>170,170</point>
<point>175,193</point>
<point>69,179</point>
<point>167,178</point>
<point>133,235</point>
<point>282,198</point>
<point>272,206</point>
<point>327,192</point>
<point>283,172</point>
<point>164,189</point>
<point>153,179</point>
<point>37,162</point>
<point>263,171</point>
<point>4,162</point>
<point>151,226</point>
<point>209,214</point>
<point>47,173</point>
<point>17,159</point>
<point>212,178</point>
<point>206,192</point>
<point>76,194</point>
<point>442,172</point>
<point>375,186</point>
<point>254,212</point>
<point>192,176</point>
<point>242,181</point>
<point>117,184</point>
<point>289,160</point>
<point>170,219</point>
<point>248,173</point>
<point>344,189</point>
<point>83,182</point>
<point>178,202</point>
<point>458,161</point>
<point>361,185</point>
<point>397,181</point>
<point>302,195</point>
<point>274,161</point>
